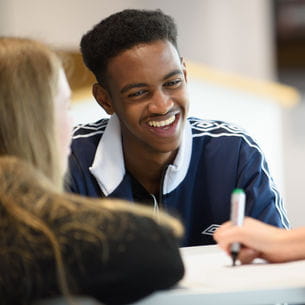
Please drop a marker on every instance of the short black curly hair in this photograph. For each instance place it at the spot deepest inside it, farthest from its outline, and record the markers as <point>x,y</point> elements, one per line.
<point>122,31</point>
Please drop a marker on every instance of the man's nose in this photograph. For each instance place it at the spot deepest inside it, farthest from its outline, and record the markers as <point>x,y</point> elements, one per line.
<point>160,102</point>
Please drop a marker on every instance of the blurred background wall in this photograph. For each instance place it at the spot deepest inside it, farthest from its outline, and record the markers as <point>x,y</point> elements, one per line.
<point>247,39</point>
<point>234,35</point>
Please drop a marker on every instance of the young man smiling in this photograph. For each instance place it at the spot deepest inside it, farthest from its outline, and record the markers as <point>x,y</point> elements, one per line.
<point>149,151</point>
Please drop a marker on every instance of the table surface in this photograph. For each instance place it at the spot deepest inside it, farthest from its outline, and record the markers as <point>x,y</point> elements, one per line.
<point>211,279</point>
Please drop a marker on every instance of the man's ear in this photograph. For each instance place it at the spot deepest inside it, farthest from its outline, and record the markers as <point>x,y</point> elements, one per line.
<point>102,97</point>
<point>184,68</point>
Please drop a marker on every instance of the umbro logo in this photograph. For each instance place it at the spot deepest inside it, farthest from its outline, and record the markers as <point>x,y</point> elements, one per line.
<point>210,229</point>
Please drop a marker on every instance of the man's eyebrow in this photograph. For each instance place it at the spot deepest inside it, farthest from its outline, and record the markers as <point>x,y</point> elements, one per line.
<point>131,86</point>
<point>175,72</point>
<point>140,85</point>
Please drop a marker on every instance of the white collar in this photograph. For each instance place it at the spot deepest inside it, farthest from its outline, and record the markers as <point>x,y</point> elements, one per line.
<point>108,165</point>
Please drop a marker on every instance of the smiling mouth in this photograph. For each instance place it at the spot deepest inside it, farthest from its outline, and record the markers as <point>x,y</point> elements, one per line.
<point>164,123</point>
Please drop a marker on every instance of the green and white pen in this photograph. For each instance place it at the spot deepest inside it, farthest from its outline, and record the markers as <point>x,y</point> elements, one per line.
<point>238,202</point>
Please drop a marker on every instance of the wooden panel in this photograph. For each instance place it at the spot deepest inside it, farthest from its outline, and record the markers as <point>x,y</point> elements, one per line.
<point>81,80</point>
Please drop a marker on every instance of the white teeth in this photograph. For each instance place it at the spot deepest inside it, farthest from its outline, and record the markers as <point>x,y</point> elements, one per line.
<point>162,123</point>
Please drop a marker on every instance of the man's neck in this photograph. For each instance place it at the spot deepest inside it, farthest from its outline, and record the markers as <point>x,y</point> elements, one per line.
<point>148,168</point>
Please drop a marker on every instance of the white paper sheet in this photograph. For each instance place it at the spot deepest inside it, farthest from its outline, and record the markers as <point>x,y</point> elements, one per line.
<point>210,269</point>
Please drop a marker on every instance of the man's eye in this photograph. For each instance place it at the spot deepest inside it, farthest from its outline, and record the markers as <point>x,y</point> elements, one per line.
<point>137,93</point>
<point>173,83</point>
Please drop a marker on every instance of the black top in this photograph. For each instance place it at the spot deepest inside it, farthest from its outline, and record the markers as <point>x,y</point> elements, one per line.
<point>137,257</point>
<point>128,257</point>
<point>109,252</point>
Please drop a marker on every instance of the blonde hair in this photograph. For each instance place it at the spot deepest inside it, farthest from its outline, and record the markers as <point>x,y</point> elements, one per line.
<point>29,73</point>
<point>42,222</point>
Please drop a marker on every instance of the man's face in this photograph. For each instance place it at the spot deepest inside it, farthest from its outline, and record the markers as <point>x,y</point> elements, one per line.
<point>147,91</point>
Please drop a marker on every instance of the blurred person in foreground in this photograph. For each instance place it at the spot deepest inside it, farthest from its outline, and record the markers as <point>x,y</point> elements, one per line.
<point>53,243</point>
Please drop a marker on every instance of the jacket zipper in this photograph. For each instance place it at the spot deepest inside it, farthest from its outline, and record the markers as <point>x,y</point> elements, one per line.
<point>157,204</point>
